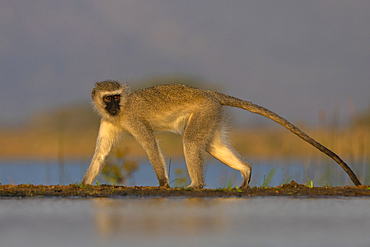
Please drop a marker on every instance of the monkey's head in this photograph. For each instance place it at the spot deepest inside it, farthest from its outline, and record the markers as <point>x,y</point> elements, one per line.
<point>108,97</point>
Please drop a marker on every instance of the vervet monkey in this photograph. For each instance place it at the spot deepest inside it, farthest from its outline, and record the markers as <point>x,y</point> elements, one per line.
<point>195,114</point>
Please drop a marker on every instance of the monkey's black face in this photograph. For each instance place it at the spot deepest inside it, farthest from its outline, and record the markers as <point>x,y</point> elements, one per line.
<point>112,104</point>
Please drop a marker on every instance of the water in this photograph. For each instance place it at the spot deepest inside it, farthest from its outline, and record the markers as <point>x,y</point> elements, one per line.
<point>216,175</point>
<point>180,221</point>
<point>185,222</point>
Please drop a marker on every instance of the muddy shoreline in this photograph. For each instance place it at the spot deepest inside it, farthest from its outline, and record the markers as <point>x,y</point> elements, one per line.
<point>287,190</point>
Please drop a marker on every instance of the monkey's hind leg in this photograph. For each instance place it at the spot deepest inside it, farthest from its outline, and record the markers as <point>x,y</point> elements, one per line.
<point>194,157</point>
<point>227,155</point>
<point>195,140</point>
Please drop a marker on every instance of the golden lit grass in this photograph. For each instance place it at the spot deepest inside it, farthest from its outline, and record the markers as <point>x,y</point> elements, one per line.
<point>278,143</point>
<point>271,143</point>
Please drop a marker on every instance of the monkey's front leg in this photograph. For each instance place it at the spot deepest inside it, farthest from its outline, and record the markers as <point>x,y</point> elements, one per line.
<point>104,144</point>
<point>148,141</point>
<point>156,159</point>
<point>95,167</point>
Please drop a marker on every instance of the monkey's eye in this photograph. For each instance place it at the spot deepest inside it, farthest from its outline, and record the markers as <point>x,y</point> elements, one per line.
<point>116,97</point>
<point>107,98</point>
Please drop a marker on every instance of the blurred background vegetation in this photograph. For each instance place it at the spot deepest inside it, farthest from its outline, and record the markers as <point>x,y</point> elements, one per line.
<point>69,132</point>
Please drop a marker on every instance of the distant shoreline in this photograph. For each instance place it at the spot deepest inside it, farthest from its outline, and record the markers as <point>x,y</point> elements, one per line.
<point>263,143</point>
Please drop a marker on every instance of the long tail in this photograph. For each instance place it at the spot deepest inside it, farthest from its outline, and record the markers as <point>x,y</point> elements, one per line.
<point>249,106</point>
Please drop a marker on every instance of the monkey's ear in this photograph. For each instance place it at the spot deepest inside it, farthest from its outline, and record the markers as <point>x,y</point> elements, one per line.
<point>93,93</point>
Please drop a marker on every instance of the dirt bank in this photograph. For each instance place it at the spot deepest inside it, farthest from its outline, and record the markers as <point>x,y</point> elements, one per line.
<point>291,190</point>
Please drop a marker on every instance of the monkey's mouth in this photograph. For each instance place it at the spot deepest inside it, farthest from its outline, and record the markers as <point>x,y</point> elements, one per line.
<point>114,113</point>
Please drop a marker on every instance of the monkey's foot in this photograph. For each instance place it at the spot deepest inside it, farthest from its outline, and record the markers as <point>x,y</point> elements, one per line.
<point>244,185</point>
<point>166,185</point>
<point>195,186</point>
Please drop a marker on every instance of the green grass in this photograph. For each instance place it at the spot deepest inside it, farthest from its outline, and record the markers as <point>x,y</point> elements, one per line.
<point>267,180</point>
<point>309,183</point>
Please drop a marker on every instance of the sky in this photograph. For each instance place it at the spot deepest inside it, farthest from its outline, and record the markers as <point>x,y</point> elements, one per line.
<point>297,58</point>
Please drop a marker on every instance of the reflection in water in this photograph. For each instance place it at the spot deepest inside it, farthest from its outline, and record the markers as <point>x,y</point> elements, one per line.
<point>160,217</point>
<point>185,222</point>
<point>230,222</point>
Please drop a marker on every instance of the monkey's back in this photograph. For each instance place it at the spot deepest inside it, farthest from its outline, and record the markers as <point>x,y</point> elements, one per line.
<point>168,106</point>
<point>164,97</point>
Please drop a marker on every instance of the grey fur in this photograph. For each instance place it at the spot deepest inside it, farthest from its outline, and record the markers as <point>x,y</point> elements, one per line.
<point>194,113</point>
<point>101,86</point>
